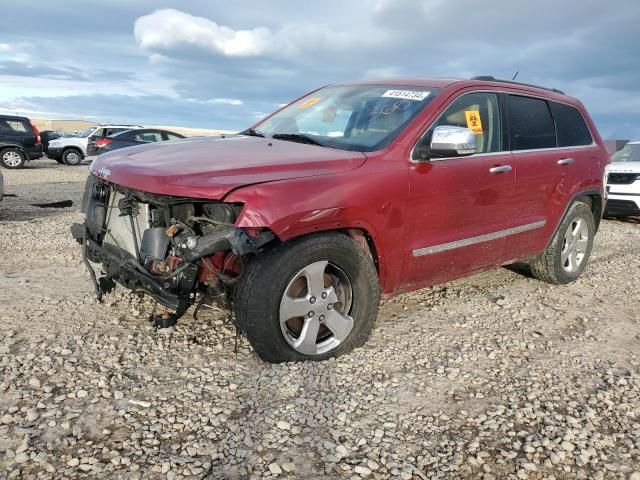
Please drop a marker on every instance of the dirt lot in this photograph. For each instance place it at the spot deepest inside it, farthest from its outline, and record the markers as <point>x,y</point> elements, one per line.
<point>495,376</point>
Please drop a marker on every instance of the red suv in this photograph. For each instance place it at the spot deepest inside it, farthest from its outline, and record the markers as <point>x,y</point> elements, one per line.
<point>301,223</point>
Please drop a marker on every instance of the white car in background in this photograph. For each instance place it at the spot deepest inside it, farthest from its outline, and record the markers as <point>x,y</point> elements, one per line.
<point>623,183</point>
<point>72,150</point>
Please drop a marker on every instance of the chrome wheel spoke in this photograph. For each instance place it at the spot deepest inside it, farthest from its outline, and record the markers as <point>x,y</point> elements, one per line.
<point>332,296</point>
<point>294,307</point>
<point>564,255</point>
<point>339,324</point>
<point>573,261</point>
<point>577,228</point>
<point>314,274</point>
<point>581,244</point>
<point>306,342</point>
<point>568,236</point>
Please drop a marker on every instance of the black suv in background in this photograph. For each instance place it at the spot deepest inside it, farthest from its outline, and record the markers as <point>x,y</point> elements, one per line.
<point>19,141</point>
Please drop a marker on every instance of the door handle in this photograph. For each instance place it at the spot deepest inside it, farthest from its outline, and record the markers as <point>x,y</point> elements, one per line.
<point>500,169</point>
<point>566,161</point>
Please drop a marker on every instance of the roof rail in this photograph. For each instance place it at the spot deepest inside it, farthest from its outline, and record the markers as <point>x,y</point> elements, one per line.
<point>489,78</point>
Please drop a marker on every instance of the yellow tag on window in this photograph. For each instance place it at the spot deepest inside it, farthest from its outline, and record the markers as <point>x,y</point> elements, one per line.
<point>310,102</point>
<point>473,120</point>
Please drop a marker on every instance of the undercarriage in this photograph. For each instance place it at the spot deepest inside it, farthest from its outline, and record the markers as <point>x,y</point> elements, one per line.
<point>171,248</point>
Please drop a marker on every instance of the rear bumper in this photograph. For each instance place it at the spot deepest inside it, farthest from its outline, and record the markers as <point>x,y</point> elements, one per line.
<point>34,152</point>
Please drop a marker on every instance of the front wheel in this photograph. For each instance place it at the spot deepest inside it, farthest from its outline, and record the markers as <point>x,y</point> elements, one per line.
<point>566,256</point>
<point>310,299</point>
<point>72,157</point>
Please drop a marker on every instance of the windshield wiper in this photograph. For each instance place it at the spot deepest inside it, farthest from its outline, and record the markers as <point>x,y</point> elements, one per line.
<point>252,132</point>
<point>297,137</point>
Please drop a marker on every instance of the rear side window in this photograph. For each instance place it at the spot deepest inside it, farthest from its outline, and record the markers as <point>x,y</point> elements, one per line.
<point>14,126</point>
<point>570,124</point>
<point>113,131</point>
<point>148,137</point>
<point>530,124</point>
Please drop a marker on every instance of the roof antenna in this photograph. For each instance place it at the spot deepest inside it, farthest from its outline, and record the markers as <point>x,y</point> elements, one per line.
<point>514,77</point>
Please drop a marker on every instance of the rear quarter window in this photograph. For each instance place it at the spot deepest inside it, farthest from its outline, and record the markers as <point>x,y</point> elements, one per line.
<point>571,128</point>
<point>14,126</point>
<point>531,125</point>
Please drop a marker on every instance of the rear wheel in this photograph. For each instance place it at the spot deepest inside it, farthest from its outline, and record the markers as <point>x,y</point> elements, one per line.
<point>71,156</point>
<point>566,256</point>
<point>310,299</point>
<point>12,158</point>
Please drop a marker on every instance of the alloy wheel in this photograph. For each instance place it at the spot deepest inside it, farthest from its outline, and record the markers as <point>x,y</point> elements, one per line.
<point>314,309</point>
<point>72,158</point>
<point>12,159</point>
<point>574,245</point>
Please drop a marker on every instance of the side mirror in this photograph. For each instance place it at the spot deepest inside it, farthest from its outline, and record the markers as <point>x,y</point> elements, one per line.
<point>448,141</point>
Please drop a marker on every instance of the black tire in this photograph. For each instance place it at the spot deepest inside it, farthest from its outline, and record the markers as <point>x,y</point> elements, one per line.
<point>72,157</point>
<point>550,266</point>
<point>267,275</point>
<point>12,158</point>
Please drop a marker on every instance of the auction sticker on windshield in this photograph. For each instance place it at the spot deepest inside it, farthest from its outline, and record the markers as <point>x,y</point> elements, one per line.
<point>406,94</point>
<point>310,102</point>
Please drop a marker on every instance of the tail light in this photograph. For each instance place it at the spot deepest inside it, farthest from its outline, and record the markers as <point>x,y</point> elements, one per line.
<point>37,133</point>
<point>103,142</point>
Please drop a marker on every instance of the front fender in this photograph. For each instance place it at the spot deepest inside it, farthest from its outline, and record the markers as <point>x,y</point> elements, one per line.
<point>374,204</point>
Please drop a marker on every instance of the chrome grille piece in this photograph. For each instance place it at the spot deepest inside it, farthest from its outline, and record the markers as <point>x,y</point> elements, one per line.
<point>622,178</point>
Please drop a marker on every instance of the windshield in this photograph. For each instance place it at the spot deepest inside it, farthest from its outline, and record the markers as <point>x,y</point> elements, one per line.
<point>349,117</point>
<point>629,153</point>
<point>86,132</point>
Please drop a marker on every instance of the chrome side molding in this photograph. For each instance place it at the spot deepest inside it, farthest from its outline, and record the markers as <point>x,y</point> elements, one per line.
<point>443,247</point>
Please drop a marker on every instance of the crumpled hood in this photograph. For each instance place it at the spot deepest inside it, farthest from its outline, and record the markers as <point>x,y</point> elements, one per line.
<point>210,167</point>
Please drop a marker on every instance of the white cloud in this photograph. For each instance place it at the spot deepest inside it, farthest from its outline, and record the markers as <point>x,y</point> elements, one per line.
<point>226,101</point>
<point>171,32</point>
<point>169,28</point>
<point>4,47</point>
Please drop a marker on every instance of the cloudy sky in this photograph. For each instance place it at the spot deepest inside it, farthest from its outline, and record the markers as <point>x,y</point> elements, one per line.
<point>221,64</point>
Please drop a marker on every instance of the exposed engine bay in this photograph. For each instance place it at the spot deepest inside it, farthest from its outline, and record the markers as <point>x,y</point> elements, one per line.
<point>171,248</point>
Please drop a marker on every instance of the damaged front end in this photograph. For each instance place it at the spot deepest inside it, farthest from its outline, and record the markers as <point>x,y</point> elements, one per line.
<point>171,248</point>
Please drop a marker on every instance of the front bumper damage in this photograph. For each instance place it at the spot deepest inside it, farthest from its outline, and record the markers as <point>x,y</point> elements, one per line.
<point>161,246</point>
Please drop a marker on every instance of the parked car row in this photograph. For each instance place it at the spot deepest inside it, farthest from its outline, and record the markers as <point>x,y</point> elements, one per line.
<point>20,141</point>
<point>72,150</point>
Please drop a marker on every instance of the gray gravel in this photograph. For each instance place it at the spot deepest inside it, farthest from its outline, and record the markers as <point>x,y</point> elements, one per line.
<point>495,376</point>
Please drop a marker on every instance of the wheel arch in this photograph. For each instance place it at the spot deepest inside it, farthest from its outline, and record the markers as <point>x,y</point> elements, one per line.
<point>593,198</point>
<point>17,146</point>
<point>363,234</point>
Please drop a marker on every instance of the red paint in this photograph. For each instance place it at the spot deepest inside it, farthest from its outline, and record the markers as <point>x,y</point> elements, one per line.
<point>296,189</point>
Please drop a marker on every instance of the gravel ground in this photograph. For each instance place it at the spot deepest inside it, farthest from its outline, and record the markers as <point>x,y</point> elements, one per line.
<point>497,376</point>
